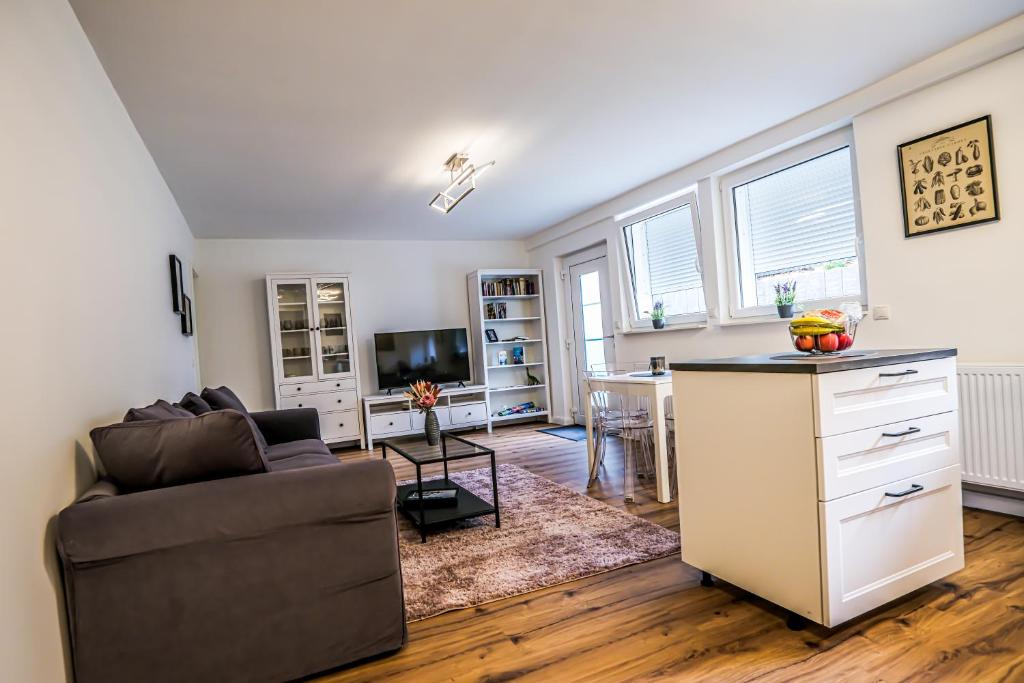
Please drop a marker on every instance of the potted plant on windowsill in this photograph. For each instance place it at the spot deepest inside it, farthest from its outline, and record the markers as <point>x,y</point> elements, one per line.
<point>785,295</point>
<point>657,315</point>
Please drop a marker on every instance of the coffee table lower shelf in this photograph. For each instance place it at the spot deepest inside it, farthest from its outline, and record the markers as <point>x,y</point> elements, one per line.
<point>468,505</point>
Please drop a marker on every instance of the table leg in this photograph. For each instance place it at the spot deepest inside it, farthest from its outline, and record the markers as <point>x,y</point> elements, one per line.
<point>423,509</point>
<point>589,415</point>
<point>444,455</point>
<point>384,451</point>
<point>660,448</point>
<point>494,487</point>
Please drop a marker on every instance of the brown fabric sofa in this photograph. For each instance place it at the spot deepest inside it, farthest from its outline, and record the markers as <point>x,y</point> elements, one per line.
<point>263,577</point>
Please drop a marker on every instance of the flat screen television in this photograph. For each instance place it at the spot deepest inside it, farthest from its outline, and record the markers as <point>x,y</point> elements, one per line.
<point>440,356</point>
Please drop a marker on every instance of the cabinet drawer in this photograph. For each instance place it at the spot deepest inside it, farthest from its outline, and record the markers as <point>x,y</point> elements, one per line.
<point>325,403</point>
<point>419,420</point>
<point>857,399</point>
<point>876,548</point>
<point>303,388</point>
<point>339,426</point>
<point>390,423</point>
<point>856,461</point>
<point>468,413</point>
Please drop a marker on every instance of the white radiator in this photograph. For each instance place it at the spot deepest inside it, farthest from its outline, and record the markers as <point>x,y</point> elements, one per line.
<point>992,424</point>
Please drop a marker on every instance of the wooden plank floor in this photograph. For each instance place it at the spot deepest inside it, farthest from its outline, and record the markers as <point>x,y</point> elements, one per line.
<point>654,621</point>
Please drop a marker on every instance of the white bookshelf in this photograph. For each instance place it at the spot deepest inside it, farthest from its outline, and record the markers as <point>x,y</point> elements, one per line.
<point>507,385</point>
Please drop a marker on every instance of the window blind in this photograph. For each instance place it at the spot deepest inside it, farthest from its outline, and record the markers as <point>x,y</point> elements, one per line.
<point>672,252</point>
<point>800,216</point>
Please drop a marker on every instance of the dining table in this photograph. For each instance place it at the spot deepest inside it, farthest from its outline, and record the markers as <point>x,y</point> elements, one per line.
<point>656,388</point>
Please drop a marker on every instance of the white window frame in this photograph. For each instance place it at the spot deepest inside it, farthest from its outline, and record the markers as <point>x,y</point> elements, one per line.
<point>765,167</point>
<point>677,202</point>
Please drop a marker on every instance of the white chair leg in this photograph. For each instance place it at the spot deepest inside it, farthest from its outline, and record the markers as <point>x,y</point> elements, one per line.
<point>629,466</point>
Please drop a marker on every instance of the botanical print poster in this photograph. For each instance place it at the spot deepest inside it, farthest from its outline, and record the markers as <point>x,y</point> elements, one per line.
<point>949,179</point>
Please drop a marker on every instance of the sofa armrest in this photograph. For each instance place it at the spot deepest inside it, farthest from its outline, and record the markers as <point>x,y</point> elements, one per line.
<point>293,424</point>
<point>258,577</point>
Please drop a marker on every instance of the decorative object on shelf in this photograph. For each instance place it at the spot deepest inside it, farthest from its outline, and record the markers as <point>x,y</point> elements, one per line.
<point>657,365</point>
<point>518,357</point>
<point>186,317</point>
<point>520,409</point>
<point>424,395</point>
<point>785,295</point>
<point>490,313</point>
<point>935,197</point>
<point>531,381</point>
<point>503,357</point>
<point>463,176</point>
<point>492,336</point>
<point>657,315</point>
<point>177,285</point>
<point>827,330</point>
<point>502,310</point>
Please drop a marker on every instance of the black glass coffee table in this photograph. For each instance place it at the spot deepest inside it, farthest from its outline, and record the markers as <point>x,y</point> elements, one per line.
<point>416,450</point>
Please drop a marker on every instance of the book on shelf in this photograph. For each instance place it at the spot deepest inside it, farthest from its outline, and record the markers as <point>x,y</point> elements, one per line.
<point>509,286</point>
<point>441,497</point>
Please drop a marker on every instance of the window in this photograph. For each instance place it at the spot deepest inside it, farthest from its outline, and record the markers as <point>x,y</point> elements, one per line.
<point>664,262</point>
<point>794,218</point>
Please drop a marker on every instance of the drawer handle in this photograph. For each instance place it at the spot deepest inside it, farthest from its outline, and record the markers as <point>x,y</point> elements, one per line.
<point>905,432</point>
<point>298,389</point>
<point>914,488</point>
<point>341,424</point>
<point>339,400</point>
<point>338,384</point>
<point>300,405</point>
<point>897,374</point>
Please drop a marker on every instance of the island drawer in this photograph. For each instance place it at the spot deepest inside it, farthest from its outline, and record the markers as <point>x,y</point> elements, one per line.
<point>857,461</point>
<point>869,397</point>
<point>883,543</point>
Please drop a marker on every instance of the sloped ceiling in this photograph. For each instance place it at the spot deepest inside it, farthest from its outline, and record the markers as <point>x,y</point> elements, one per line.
<point>330,119</point>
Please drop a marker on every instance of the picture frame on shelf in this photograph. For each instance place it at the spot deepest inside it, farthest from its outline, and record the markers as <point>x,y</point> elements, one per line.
<point>186,317</point>
<point>948,179</point>
<point>177,285</point>
<point>492,335</point>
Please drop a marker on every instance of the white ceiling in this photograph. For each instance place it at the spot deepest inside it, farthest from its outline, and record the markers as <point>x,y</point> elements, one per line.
<point>330,118</point>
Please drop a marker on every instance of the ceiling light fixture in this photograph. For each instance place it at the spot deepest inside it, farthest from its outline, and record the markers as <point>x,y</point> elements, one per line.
<point>463,181</point>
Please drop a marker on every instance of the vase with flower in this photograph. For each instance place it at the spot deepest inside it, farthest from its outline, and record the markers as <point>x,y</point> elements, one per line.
<point>424,396</point>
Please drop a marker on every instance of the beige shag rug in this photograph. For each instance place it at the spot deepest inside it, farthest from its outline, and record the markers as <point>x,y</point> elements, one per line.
<point>549,535</point>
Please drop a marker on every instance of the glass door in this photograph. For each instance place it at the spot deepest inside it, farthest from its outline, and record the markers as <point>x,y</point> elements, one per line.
<point>335,353</point>
<point>294,330</point>
<point>593,337</point>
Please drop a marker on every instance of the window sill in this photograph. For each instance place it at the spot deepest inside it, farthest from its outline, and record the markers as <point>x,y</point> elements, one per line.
<point>695,325</point>
<point>753,320</point>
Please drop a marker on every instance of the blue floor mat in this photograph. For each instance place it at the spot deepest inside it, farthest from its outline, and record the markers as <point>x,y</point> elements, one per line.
<point>571,432</point>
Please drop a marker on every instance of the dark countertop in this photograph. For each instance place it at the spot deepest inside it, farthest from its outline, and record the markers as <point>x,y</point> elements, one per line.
<point>794,361</point>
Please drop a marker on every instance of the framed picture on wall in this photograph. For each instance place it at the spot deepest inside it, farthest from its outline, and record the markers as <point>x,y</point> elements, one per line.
<point>186,317</point>
<point>492,336</point>
<point>948,179</point>
<point>177,286</point>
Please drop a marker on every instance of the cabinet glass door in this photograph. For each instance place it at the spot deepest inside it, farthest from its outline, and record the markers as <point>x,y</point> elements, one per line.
<point>295,329</point>
<point>332,309</point>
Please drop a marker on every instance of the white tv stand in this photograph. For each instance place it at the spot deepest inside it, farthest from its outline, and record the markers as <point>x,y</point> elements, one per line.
<point>394,415</point>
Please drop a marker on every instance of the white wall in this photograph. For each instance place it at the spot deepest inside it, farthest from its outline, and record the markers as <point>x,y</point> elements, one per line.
<point>957,288</point>
<point>396,285</point>
<point>87,223</point>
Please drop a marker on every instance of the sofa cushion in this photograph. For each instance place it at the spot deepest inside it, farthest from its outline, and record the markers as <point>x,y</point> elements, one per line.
<point>161,410</point>
<point>194,404</point>
<point>223,398</point>
<point>302,460</point>
<point>300,447</point>
<point>157,453</point>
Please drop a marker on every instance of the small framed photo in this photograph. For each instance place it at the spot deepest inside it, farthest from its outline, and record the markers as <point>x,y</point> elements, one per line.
<point>186,317</point>
<point>492,336</point>
<point>177,286</point>
<point>948,179</point>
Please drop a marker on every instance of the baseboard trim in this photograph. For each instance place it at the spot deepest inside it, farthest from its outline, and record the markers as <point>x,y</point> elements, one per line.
<point>984,500</point>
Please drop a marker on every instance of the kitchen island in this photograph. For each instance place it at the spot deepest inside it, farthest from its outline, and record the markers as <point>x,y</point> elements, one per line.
<point>828,485</point>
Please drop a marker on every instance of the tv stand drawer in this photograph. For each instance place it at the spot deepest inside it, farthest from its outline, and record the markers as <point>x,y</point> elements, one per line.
<point>383,424</point>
